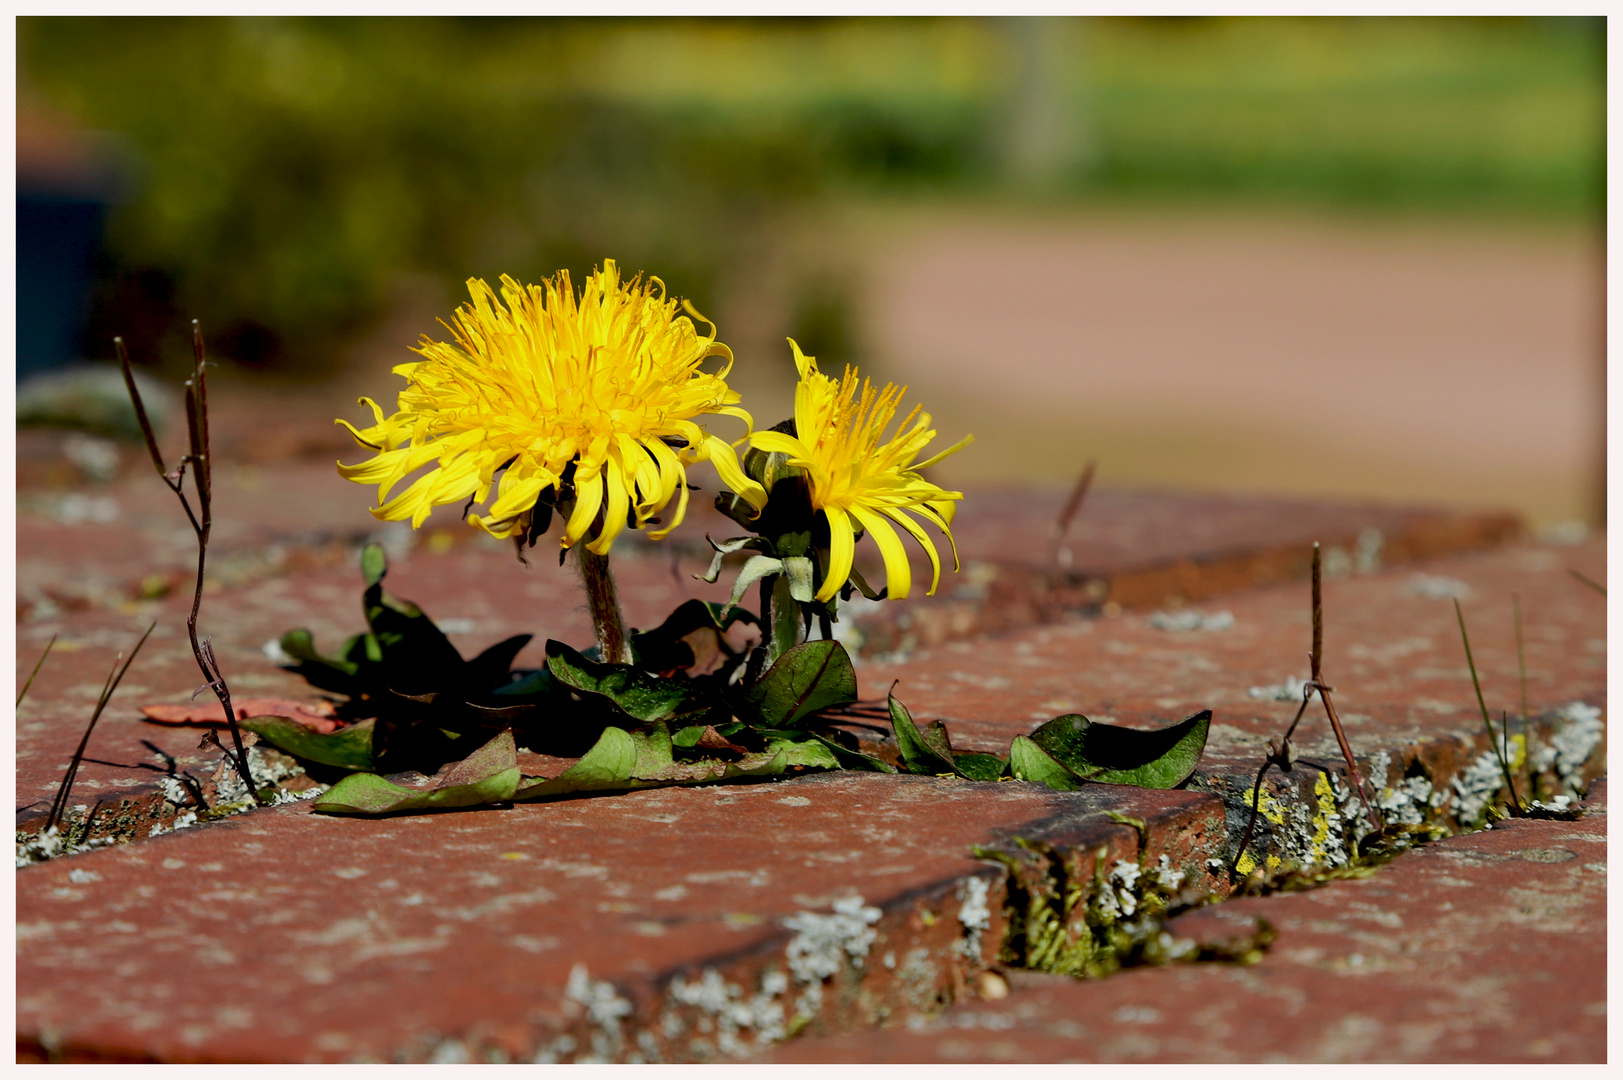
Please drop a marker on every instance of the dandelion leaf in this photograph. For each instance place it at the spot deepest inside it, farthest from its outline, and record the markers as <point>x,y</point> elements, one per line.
<point>1108,754</point>
<point>811,676</point>
<point>636,693</point>
<point>917,753</point>
<point>980,766</point>
<point>347,748</point>
<point>1028,761</point>
<point>488,775</point>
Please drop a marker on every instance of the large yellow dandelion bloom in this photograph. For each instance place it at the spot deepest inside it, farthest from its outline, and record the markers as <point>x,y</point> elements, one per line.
<point>854,475</point>
<point>540,379</point>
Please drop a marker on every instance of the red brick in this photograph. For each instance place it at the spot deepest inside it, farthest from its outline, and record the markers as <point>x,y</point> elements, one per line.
<point>287,936</point>
<point>1482,948</point>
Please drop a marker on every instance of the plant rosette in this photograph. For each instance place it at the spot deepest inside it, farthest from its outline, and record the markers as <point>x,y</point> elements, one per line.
<point>581,407</point>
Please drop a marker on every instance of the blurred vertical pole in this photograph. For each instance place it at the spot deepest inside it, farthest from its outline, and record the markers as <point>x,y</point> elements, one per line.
<point>1598,509</point>
<point>1046,136</point>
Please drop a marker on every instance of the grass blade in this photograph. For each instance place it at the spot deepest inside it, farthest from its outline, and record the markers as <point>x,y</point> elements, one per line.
<point>24,691</point>
<point>114,677</point>
<point>1493,741</point>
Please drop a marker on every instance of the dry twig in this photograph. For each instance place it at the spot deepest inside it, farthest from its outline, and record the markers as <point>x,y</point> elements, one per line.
<point>1282,754</point>
<point>202,520</point>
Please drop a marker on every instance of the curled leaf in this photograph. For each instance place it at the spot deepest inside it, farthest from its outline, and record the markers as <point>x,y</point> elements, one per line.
<point>813,675</point>
<point>635,692</point>
<point>1028,761</point>
<point>917,753</point>
<point>488,775</point>
<point>1109,754</point>
<point>346,748</point>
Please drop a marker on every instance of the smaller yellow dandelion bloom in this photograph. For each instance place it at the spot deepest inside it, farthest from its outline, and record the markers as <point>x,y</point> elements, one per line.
<point>853,474</point>
<point>540,380</point>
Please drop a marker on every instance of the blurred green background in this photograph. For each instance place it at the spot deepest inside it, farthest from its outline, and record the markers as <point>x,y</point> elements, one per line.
<point>283,173</point>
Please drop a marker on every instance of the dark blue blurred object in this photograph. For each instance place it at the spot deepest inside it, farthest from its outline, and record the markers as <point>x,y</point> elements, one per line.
<point>58,235</point>
<point>67,178</point>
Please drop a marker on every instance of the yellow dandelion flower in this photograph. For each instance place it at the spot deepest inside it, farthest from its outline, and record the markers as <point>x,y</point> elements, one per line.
<point>539,380</point>
<point>853,475</point>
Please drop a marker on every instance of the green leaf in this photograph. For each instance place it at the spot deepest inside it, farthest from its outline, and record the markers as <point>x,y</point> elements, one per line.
<point>374,564</point>
<point>862,586</point>
<point>798,569</point>
<point>918,756</point>
<point>813,675</point>
<point>753,570</point>
<point>626,760</point>
<point>607,765</point>
<point>323,672</point>
<point>688,736</point>
<point>635,692</point>
<point>1028,761</point>
<point>668,645</point>
<point>855,759</point>
<point>491,668</point>
<point>538,683</point>
<point>727,547</point>
<point>980,766</point>
<point>1108,754</point>
<point>346,748</point>
<point>808,753</point>
<point>489,775</point>
<point>935,737</point>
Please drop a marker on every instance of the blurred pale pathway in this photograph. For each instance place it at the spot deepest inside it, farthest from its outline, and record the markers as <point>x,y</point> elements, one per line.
<point>1445,363</point>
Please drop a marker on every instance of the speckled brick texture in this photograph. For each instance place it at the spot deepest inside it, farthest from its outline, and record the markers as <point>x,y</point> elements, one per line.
<point>677,924</point>
<point>663,924</point>
<point>1489,947</point>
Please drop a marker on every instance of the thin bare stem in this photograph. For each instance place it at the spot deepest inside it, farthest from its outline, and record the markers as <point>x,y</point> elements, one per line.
<point>1493,741</point>
<point>1521,650</point>
<point>140,408</point>
<point>114,677</point>
<point>1521,673</point>
<point>24,691</point>
<point>202,521</point>
<point>1074,504</point>
<point>1597,586</point>
<point>1281,756</point>
<point>1315,661</point>
<point>613,643</point>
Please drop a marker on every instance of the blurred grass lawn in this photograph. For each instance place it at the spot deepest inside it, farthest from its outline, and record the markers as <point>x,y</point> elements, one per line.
<point>290,171</point>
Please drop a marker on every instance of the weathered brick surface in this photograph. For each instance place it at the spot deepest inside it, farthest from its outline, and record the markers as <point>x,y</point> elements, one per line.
<point>289,936</point>
<point>1483,948</point>
<point>1391,651</point>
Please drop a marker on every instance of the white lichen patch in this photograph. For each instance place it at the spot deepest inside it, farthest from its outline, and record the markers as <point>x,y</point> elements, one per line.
<point>1439,587</point>
<point>1476,786</point>
<point>605,1010</point>
<point>1166,876</point>
<point>740,1023</point>
<point>823,943</point>
<point>1575,741</point>
<point>973,913</point>
<point>1289,690</point>
<point>1189,620</point>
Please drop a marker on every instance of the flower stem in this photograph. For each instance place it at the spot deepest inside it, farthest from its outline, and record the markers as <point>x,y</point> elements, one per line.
<point>613,643</point>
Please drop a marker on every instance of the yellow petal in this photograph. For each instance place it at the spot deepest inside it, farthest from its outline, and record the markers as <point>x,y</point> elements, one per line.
<point>721,455</point>
<point>841,548</point>
<point>898,574</point>
<point>614,514</point>
<point>588,498</point>
<point>900,517</point>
